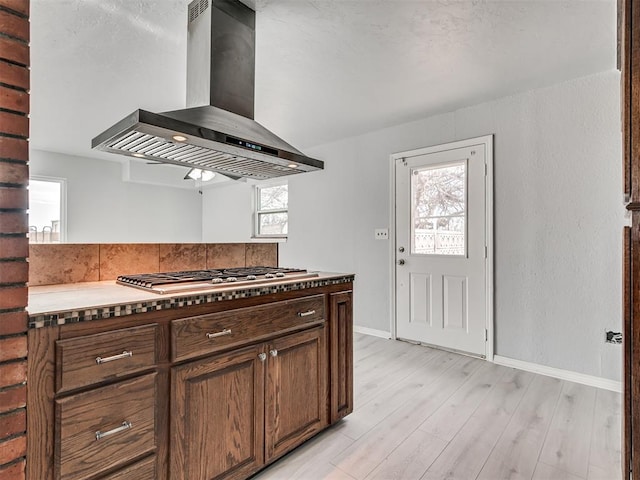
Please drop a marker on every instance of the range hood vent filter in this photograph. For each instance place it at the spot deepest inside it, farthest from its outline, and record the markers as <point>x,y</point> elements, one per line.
<point>153,147</point>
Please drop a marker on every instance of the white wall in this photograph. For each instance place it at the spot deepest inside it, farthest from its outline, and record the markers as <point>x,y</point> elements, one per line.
<point>101,207</point>
<point>558,218</point>
<point>227,213</point>
<point>558,222</point>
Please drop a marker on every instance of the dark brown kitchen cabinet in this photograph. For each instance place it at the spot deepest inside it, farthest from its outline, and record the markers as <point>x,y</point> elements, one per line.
<point>206,334</point>
<point>104,428</point>
<point>217,416</point>
<point>90,359</point>
<point>193,393</point>
<point>296,398</point>
<point>341,348</point>
<point>236,411</point>
<point>94,400</point>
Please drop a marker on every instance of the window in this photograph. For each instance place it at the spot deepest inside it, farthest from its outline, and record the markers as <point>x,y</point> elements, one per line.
<point>46,208</point>
<point>439,197</point>
<point>272,216</point>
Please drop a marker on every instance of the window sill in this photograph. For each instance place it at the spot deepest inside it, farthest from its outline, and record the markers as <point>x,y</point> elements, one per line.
<point>255,239</point>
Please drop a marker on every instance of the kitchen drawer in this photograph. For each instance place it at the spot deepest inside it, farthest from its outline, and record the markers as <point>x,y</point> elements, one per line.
<point>195,336</point>
<point>99,430</point>
<point>142,470</point>
<point>91,359</point>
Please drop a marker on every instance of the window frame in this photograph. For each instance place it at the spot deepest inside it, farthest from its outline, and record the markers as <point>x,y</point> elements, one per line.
<point>257,211</point>
<point>63,202</point>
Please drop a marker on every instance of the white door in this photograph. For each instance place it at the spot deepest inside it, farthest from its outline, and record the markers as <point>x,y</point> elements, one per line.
<point>441,247</point>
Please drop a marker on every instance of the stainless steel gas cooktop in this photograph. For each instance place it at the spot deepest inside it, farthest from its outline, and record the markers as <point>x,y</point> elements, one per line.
<point>195,280</point>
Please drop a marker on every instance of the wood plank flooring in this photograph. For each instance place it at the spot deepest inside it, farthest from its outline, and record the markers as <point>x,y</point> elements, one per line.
<point>426,414</point>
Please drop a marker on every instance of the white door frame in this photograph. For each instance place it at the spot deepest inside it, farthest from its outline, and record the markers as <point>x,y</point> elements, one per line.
<point>487,142</point>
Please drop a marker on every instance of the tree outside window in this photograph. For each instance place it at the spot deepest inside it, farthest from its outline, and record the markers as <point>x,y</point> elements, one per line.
<point>439,210</point>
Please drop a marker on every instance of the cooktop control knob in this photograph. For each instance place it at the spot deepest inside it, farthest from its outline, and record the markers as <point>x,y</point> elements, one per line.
<point>231,279</point>
<point>280,275</point>
<point>217,280</point>
<point>251,277</point>
<point>269,275</point>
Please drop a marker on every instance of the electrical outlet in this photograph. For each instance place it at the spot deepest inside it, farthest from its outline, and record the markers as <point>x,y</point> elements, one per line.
<point>381,234</point>
<point>612,337</point>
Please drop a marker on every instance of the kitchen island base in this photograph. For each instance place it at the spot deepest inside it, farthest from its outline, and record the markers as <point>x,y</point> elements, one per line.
<point>216,390</point>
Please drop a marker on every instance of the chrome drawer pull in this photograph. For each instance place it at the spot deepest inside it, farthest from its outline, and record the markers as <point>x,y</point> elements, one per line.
<point>273,353</point>
<point>124,354</point>
<point>125,426</point>
<point>307,313</point>
<point>262,356</point>
<point>224,332</point>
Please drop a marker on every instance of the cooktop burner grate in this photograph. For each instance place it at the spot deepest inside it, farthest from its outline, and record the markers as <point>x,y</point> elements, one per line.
<point>246,271</point>
<point>151,280</point>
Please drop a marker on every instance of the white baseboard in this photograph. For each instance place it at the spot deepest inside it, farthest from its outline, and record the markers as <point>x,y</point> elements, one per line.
<point>576,377</point>
<point>371,331</point>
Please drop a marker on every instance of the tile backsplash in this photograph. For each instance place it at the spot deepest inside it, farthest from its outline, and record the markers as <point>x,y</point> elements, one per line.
<point>51,264</point>
<point>127,258</point>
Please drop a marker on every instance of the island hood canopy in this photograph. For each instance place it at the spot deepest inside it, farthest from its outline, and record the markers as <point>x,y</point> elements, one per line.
<point>222,135</point>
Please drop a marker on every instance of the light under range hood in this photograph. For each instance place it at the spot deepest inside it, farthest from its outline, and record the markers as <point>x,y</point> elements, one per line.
<point>219,132</point>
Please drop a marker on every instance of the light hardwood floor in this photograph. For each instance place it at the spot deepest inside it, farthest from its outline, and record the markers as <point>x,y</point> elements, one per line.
<point>422,413</point>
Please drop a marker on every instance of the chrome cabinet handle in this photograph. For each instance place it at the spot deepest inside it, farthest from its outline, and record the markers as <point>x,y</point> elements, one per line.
<point>401,261</point>
<point>224,332</point>
<point>307,313</point>
<point>122,355</point>
<point>125,426</point>
<point>273,353</point>
<point>262,356</point>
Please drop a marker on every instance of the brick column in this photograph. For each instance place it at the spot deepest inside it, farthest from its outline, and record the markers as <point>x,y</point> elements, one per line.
<point>14,247</point>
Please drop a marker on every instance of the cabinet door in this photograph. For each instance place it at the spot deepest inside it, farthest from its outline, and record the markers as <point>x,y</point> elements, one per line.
<point>341,337</point>
<point>296,390</point>
<point>217,417</point>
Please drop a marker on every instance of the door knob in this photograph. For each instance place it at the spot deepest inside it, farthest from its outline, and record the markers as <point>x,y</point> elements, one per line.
<point>401,261</point>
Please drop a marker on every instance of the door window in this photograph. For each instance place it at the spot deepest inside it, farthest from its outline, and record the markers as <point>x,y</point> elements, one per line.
<point>439,209</point>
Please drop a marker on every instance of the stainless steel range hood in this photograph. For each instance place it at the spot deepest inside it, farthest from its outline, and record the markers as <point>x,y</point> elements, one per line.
<point>218,133</point>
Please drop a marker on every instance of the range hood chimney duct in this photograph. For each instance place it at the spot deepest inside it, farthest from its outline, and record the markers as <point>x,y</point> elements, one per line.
<point>221,56</point>
<point>217,132</point>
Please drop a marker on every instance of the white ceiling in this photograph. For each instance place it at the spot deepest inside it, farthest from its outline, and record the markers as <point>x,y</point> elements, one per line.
<point>325,69</point>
